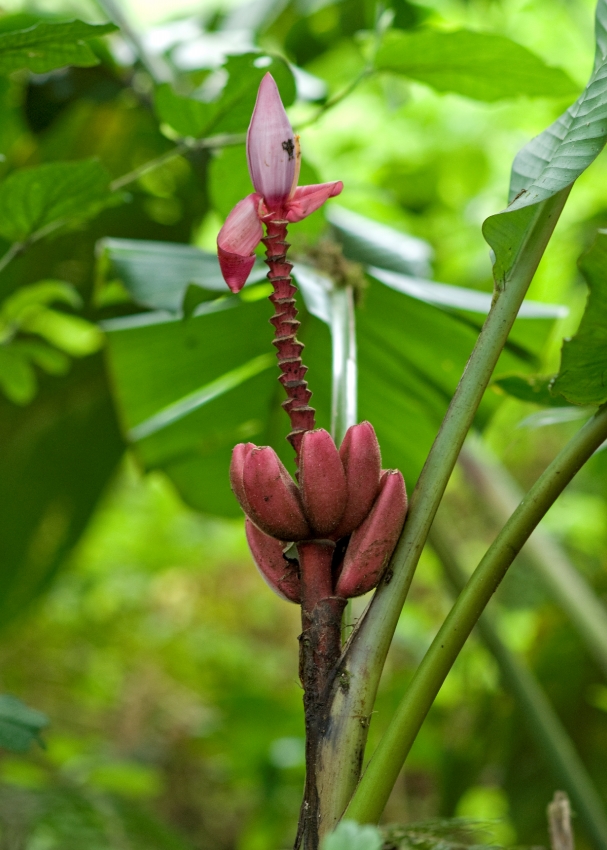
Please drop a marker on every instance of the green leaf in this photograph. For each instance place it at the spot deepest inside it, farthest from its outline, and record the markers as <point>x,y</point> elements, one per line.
<point>17,377</point>
<point>544,169</point>
<point>582,378</point>
<point>71,334</point>
<point>52,361</point>
<point>28,298</point>
<point>376,244</point>
<point>479,65</point>
<point>20,726</point>
<point>231,112</point>
<point>57,192</point>
<point>157,274</point>
<point>46,46</point>
<point>350,835</point>
<point>531,388</point>
<point>56,458</point>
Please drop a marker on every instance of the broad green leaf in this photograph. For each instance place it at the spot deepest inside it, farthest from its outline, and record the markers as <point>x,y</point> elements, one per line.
<point>546,167</point>
<point>582,378</point>
<point>350,835</point>
<point>59,192</point>
<point>479,65</point>
<point>46,46</point>
<point>375,244</point>
<point>157,274</point>
<point>20,726</point>
<point>56,458</point>
<point>231,111</point>
<point>529,388</point>
<point>191,390</point>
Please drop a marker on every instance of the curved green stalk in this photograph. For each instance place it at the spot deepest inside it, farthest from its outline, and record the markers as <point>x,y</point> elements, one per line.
<point>376,784</point>
<point>548,731</point>
<point>570,589</point>
<point>366,652</point>
<point>344,394</point>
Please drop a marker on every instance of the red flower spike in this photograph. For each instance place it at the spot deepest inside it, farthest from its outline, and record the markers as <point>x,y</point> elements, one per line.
<point>273,500</point>
<point>373,542</point>
<point>361,458</point>
<point>322,480</point>
<point>239,454</point>
<point>278,573</point>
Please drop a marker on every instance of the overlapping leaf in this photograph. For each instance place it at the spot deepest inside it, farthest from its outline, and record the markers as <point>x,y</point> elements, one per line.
<point>474,64</point>
<point>47,46</point>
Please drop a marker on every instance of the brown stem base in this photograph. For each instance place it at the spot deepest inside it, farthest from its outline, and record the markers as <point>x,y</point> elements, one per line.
<point>288,347</point>
<point>319,653</point>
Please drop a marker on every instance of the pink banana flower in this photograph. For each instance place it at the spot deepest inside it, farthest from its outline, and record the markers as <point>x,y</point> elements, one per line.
<point>273,156</point>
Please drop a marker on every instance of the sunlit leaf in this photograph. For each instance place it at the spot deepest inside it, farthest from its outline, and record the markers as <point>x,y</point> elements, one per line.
<point>474,64</point>
<point>582,378</point>
<point>57,192</point>
<point>46,46</point>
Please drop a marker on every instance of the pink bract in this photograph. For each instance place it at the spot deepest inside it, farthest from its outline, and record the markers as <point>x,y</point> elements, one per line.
<point>274,158</point>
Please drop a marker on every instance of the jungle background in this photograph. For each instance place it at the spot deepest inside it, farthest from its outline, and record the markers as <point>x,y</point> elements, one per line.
<point>132,615</point>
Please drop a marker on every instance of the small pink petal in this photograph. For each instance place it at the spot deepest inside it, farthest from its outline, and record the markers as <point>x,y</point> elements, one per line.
<point>271,151</point>
<point>237,240</point>
<point>307,199</point>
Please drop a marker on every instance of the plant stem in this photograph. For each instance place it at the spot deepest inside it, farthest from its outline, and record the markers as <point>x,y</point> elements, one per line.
<point>374,789</point>
<point>500,494</point>
<point>184,147</point>
<point>345,370</point>
<point>544,723</point>
<point>368,646</point>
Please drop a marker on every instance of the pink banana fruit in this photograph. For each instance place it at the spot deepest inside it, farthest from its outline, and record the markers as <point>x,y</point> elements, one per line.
<point>322,481</point>
<point>373,542</point>
<point>272,499</point>
<point>361,459</point>
<point>239,454</point>
<point>278,573</point>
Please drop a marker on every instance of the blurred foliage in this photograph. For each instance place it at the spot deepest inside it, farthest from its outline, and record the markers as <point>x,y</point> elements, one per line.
<point>167,669</point>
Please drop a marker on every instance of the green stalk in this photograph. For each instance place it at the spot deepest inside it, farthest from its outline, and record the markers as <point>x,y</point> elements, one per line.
<point>501,494</point>
<point>366,652</point>
<point>344,395</point>
<point>376,784</point>
<point>545,725</point>
<point>344,382</point>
